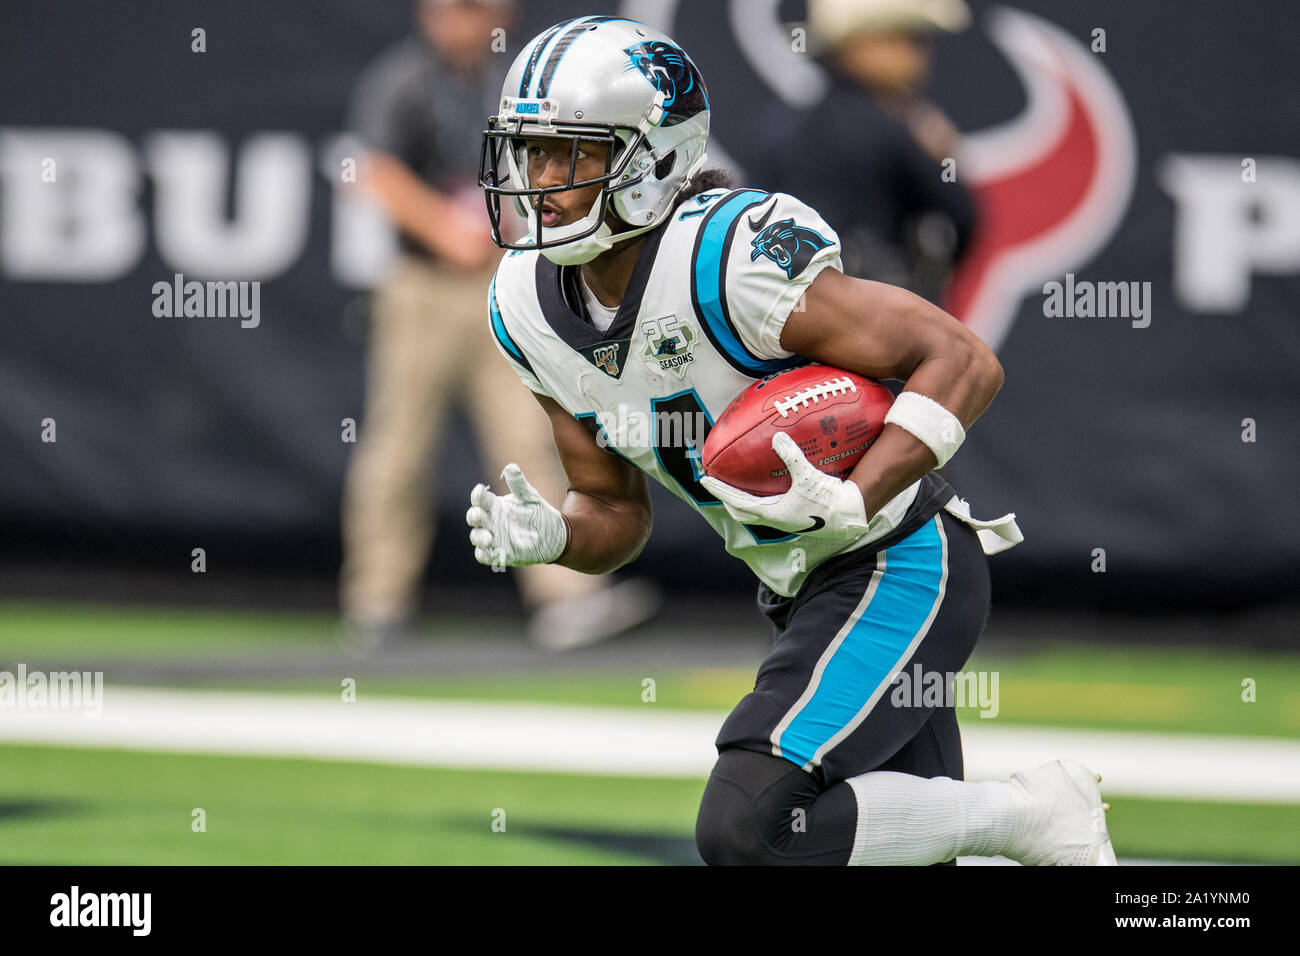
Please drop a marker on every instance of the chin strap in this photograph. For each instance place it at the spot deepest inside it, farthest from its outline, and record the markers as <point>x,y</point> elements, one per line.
<point>584,250</point>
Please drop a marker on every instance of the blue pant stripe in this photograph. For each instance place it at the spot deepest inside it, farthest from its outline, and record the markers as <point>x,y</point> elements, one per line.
<point>895,614</point>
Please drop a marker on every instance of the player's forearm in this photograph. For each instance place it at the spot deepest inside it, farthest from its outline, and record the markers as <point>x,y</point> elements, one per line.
<point>882,331</point>
<point>962,374</point>
<point>964,378</point>
<point>603,535</point>
<point>891,465</point>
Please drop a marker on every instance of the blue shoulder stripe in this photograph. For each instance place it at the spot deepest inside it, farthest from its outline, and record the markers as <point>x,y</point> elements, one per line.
<point>499,329</point>
<point>709,284</point>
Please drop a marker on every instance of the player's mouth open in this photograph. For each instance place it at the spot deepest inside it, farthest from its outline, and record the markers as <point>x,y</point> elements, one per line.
<point>551,214</point>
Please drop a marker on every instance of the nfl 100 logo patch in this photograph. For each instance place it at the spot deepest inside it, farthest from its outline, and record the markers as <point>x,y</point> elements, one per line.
<point>668,342</point>
<point>605,358</point>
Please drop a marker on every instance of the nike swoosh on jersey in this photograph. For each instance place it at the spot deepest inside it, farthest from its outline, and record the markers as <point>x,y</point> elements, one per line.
<point>816,523</point>
<point>759,224</point>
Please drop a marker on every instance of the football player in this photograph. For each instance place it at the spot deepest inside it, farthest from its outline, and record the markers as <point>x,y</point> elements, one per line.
<point>646,295</point>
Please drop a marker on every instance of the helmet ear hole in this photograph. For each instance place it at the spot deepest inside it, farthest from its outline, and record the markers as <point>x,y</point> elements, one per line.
<point>665,165</point>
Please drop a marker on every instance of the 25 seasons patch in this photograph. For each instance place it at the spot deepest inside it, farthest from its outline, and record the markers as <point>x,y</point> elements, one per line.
<point>667,342</point>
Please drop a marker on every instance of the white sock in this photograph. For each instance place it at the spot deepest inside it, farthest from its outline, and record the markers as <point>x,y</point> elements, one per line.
<point>911,821</point>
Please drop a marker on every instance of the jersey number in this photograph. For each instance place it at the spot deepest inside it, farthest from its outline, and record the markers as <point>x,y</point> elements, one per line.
<point>681,428</point>
<point>700,203</point>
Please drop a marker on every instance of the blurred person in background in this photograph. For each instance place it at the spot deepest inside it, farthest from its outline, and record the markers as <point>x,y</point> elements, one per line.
<point>900,222</point>
<point>419,112</point>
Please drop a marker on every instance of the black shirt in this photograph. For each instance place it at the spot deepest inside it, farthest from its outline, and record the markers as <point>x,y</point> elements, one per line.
<point>412,106</point>
<point>861,169</point>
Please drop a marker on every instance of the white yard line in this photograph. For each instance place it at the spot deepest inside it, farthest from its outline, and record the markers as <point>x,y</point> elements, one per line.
<point>499,735</point>
<point>646,741</point>
<point>1141,764</point>
<point>1123,861</point>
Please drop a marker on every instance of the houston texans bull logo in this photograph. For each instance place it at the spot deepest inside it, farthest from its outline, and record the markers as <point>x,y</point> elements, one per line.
<point>791,247</point>
<point>1052,184</point>
<point>670,71</point>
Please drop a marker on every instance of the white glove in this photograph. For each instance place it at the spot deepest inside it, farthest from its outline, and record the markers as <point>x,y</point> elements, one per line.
<point>514,529</point>
<point>816,501</point>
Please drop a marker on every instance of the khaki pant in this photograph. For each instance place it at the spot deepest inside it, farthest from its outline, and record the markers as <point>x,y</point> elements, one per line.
<point>431,345</point>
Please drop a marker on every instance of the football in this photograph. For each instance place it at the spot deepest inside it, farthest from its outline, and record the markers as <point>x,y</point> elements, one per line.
<point>833,416</point>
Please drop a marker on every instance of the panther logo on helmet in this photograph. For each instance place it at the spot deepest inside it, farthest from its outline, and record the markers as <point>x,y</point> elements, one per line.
<point>791,247</point>
<point>670,71</point>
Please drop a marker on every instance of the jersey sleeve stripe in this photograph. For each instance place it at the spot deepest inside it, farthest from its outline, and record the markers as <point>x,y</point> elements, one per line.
<point>709,284</point>
<point>499,330</point>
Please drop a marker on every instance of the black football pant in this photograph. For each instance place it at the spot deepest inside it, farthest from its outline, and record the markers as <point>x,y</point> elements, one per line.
<point>824,707</point>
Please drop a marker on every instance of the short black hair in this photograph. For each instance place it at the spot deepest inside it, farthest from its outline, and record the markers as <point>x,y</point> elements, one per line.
<point>703,182</point>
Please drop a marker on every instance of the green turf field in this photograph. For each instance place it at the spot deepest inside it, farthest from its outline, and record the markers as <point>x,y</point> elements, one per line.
<point>72,806</point>
<point>65,806</point>
<point>108,807</point>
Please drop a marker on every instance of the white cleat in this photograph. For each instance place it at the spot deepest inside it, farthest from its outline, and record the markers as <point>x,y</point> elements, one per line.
<point>1063,819</point>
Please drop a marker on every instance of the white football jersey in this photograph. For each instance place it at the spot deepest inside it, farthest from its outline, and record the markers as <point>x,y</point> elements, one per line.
<point>701,320</point>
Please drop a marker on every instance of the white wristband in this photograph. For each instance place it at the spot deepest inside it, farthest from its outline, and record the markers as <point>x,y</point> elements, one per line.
<point>929,422</point>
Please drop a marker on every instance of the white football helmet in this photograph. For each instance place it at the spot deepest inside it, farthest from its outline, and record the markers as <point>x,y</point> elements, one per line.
<point>608,80</point>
